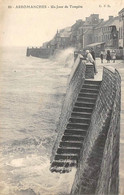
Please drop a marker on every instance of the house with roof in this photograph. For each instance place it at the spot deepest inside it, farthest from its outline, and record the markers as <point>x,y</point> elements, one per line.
<point>85,32</point>
<point>82,31</point>
<point>89,25</point>
<point>121,28</point>
<point>64,38</point>
<point>61,40</point>
<point>76,34</point>
<point>107,32</point>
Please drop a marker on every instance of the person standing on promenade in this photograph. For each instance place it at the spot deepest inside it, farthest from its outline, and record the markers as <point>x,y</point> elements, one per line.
<point>108,56</point>
<point>91,60</point>
<point>94,57</point>
<point>101,56</point>
<point>113,56</point>
<point>93,54</point>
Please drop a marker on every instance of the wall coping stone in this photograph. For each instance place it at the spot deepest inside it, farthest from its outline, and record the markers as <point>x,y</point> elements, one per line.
<point>110,69</point>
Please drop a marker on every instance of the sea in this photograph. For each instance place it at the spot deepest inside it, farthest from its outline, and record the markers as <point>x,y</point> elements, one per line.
<point>32,91</point>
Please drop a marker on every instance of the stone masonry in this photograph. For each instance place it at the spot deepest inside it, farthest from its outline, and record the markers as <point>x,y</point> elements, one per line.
<point>97,171</point>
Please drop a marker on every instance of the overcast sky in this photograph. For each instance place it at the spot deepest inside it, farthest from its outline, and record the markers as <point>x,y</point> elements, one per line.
<point>32,27</point>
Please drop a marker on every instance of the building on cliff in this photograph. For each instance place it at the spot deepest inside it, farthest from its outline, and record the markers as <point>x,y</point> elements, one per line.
<point>93,32</point>
<point>76,34</point>
<point>107,32</point>
<point>121,28</point>
<point>61,40</point>
<point>88,27</point>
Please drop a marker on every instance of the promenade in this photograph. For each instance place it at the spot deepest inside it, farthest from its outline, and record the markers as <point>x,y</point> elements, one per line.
<point>119,65</point>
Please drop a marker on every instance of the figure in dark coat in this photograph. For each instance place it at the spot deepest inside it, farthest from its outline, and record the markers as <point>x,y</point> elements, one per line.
<point>101,56</point>
<point>108,56</point>
<point>93,53</point>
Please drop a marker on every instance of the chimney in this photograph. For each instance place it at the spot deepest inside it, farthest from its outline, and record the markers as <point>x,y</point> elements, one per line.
<point>111,17</point>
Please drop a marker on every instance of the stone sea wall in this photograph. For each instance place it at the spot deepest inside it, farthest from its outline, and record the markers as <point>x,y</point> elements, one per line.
<point>75,83</point>
<point>108,182</point>
<point>97,171</point>
<point>39,52</point>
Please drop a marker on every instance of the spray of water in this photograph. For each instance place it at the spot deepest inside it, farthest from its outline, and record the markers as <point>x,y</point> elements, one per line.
<point>64,57</point>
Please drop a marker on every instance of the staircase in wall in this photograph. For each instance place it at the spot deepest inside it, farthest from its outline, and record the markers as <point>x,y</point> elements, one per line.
<point>68,152</point>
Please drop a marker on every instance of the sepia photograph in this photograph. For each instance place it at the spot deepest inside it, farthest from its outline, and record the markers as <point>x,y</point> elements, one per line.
<point>61,97</point>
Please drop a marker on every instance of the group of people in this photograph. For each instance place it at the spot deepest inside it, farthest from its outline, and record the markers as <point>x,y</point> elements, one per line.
<point>109,56</point>
<point>90,57</point>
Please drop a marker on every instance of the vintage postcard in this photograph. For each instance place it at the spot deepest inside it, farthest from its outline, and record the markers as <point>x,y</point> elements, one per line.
<point>61,97</point>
